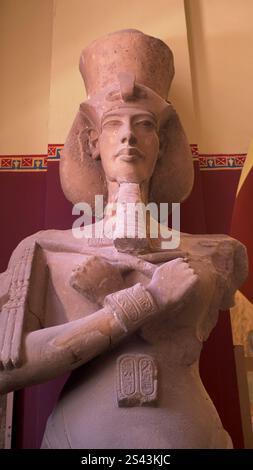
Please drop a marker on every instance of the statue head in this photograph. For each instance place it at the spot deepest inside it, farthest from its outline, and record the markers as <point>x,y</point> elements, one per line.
<point>126,131</point>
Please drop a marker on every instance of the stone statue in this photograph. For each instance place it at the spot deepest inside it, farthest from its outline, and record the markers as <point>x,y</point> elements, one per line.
<point>128,315</point>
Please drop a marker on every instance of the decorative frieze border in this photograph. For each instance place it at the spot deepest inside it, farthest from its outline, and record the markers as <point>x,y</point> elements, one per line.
<point>23,163</point>
<point>195,152</point>
<point>233,161</point>
<point>35,163</point>
<point>54,151</point>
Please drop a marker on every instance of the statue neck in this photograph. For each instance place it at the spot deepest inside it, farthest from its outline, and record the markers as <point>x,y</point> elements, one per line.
<point>130,231</point>
<point>129,191</point>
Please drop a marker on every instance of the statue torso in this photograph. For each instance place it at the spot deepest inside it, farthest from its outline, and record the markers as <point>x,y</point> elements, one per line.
<point>92,402</point>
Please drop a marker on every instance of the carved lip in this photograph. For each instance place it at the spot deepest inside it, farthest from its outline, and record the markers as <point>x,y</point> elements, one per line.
<point>129,154</point>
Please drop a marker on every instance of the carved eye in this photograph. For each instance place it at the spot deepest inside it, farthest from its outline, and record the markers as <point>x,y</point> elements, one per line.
<point>146,123</point>
<point>113,124</point>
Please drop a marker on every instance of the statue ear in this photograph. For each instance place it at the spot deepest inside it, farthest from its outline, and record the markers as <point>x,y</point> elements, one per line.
<point>172,179</point>
<point>93,144</point>
<point>162,142</point>
<point>163,131</point>
<point>81,172</point>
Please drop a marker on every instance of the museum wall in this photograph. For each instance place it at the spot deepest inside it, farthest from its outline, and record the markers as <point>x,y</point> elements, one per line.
<point>25,52</point>
<point>40,91</point>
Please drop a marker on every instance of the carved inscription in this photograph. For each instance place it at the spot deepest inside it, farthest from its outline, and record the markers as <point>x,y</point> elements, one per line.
<point>136,380</point>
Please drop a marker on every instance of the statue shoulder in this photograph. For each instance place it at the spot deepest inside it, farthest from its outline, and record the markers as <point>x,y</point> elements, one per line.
<point>228,257</point>
<point>230,260</point>
<point>27,243</point>
<point>54,240</point>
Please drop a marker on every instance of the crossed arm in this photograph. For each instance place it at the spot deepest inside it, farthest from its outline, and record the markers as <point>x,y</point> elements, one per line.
<point>52,351</point>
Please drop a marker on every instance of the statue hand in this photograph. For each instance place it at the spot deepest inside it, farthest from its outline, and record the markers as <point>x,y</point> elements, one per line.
<point>172,283</point>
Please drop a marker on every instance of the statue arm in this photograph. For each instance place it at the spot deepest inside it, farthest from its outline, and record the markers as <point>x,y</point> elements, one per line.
<point>226,269</point>
<point>52,351</point>
<point>231,263</point>
<point>5,280</point>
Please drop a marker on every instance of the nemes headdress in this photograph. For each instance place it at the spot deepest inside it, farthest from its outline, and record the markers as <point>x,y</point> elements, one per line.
<point>126,69</point>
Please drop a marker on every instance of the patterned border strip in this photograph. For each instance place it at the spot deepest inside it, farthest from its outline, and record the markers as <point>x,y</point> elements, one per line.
<point>233,161</point>
<point>25,163</point>
<point>195,151</point>
<point>54,151</point>
<point>29,163</point>
<point>14,163</point>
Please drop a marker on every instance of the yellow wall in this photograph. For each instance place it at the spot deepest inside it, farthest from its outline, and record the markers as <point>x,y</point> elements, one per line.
<point>79,22</point>
<point>25,61</point>
<point>221,41</point>
<point>41,87</point>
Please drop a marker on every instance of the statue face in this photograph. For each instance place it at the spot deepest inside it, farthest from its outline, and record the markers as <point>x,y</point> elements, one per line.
<point>129,145</point>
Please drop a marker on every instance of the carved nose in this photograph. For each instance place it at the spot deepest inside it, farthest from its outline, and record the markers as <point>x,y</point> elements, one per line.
<point>129,138</point>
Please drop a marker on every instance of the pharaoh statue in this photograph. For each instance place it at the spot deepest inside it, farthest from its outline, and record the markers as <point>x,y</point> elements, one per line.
<point>122,312</point>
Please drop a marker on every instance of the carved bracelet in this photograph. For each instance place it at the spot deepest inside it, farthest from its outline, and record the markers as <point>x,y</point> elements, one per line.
<point>131,306</point>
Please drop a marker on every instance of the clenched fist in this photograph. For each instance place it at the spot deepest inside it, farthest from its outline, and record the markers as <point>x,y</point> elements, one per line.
<point>171,283</point>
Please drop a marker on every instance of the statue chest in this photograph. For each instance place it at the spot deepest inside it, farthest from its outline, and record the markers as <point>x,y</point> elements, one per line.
<point>69,296</point>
